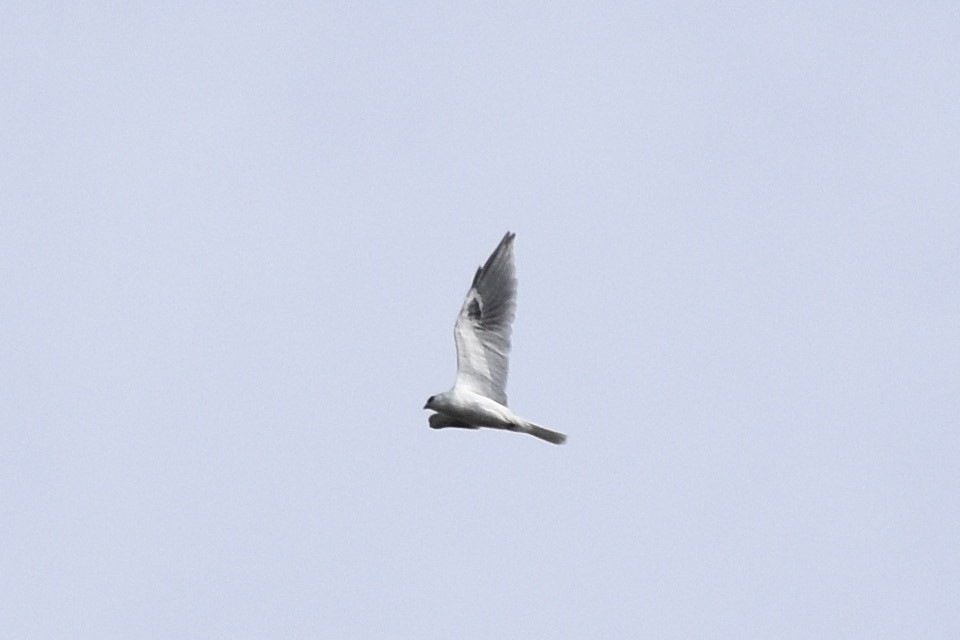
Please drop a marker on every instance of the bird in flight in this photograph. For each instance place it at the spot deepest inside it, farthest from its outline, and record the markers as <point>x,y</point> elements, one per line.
<point>479,396</point>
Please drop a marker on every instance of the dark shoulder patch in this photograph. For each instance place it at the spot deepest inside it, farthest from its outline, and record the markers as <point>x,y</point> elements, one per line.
<point>474,310</point>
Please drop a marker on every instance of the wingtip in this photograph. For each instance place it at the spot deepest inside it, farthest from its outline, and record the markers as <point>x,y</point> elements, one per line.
<point>554,437</point>
<point>505,242</point>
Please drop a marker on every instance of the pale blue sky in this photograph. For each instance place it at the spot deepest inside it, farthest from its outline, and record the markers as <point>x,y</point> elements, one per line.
<point>234,239</point>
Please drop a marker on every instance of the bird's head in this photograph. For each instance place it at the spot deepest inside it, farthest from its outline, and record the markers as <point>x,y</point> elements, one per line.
<point>430,401</point>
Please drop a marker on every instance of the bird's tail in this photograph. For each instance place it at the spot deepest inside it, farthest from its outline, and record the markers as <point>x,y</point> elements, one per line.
<point>544,434</point>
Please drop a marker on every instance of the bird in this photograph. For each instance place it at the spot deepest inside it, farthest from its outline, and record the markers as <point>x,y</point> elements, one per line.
<point>482,333</point>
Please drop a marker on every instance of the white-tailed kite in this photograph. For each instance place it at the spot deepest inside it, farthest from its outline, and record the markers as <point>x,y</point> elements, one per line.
<point>479,396</point>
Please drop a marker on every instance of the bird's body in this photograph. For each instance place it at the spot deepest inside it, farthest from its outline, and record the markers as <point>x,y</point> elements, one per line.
<point>482,333</point>
<point>466,406</point>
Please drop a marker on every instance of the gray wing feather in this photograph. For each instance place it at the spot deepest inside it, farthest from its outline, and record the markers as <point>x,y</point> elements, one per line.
<point>439,421</point>
<point>484,326</point>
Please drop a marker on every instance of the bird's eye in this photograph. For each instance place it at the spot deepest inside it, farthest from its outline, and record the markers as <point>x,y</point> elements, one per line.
<point>430,399</point>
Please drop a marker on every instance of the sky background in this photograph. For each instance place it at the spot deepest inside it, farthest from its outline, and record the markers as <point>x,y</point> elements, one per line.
<point>234,239</point>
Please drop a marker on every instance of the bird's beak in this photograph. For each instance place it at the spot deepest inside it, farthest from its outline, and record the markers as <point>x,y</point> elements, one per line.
<point>426,406</point>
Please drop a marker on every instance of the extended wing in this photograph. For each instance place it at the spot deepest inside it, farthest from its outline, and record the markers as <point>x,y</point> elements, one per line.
<point>483,328</point>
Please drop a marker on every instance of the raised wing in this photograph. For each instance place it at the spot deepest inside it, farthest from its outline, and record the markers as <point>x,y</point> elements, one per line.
<point>483,329</point>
